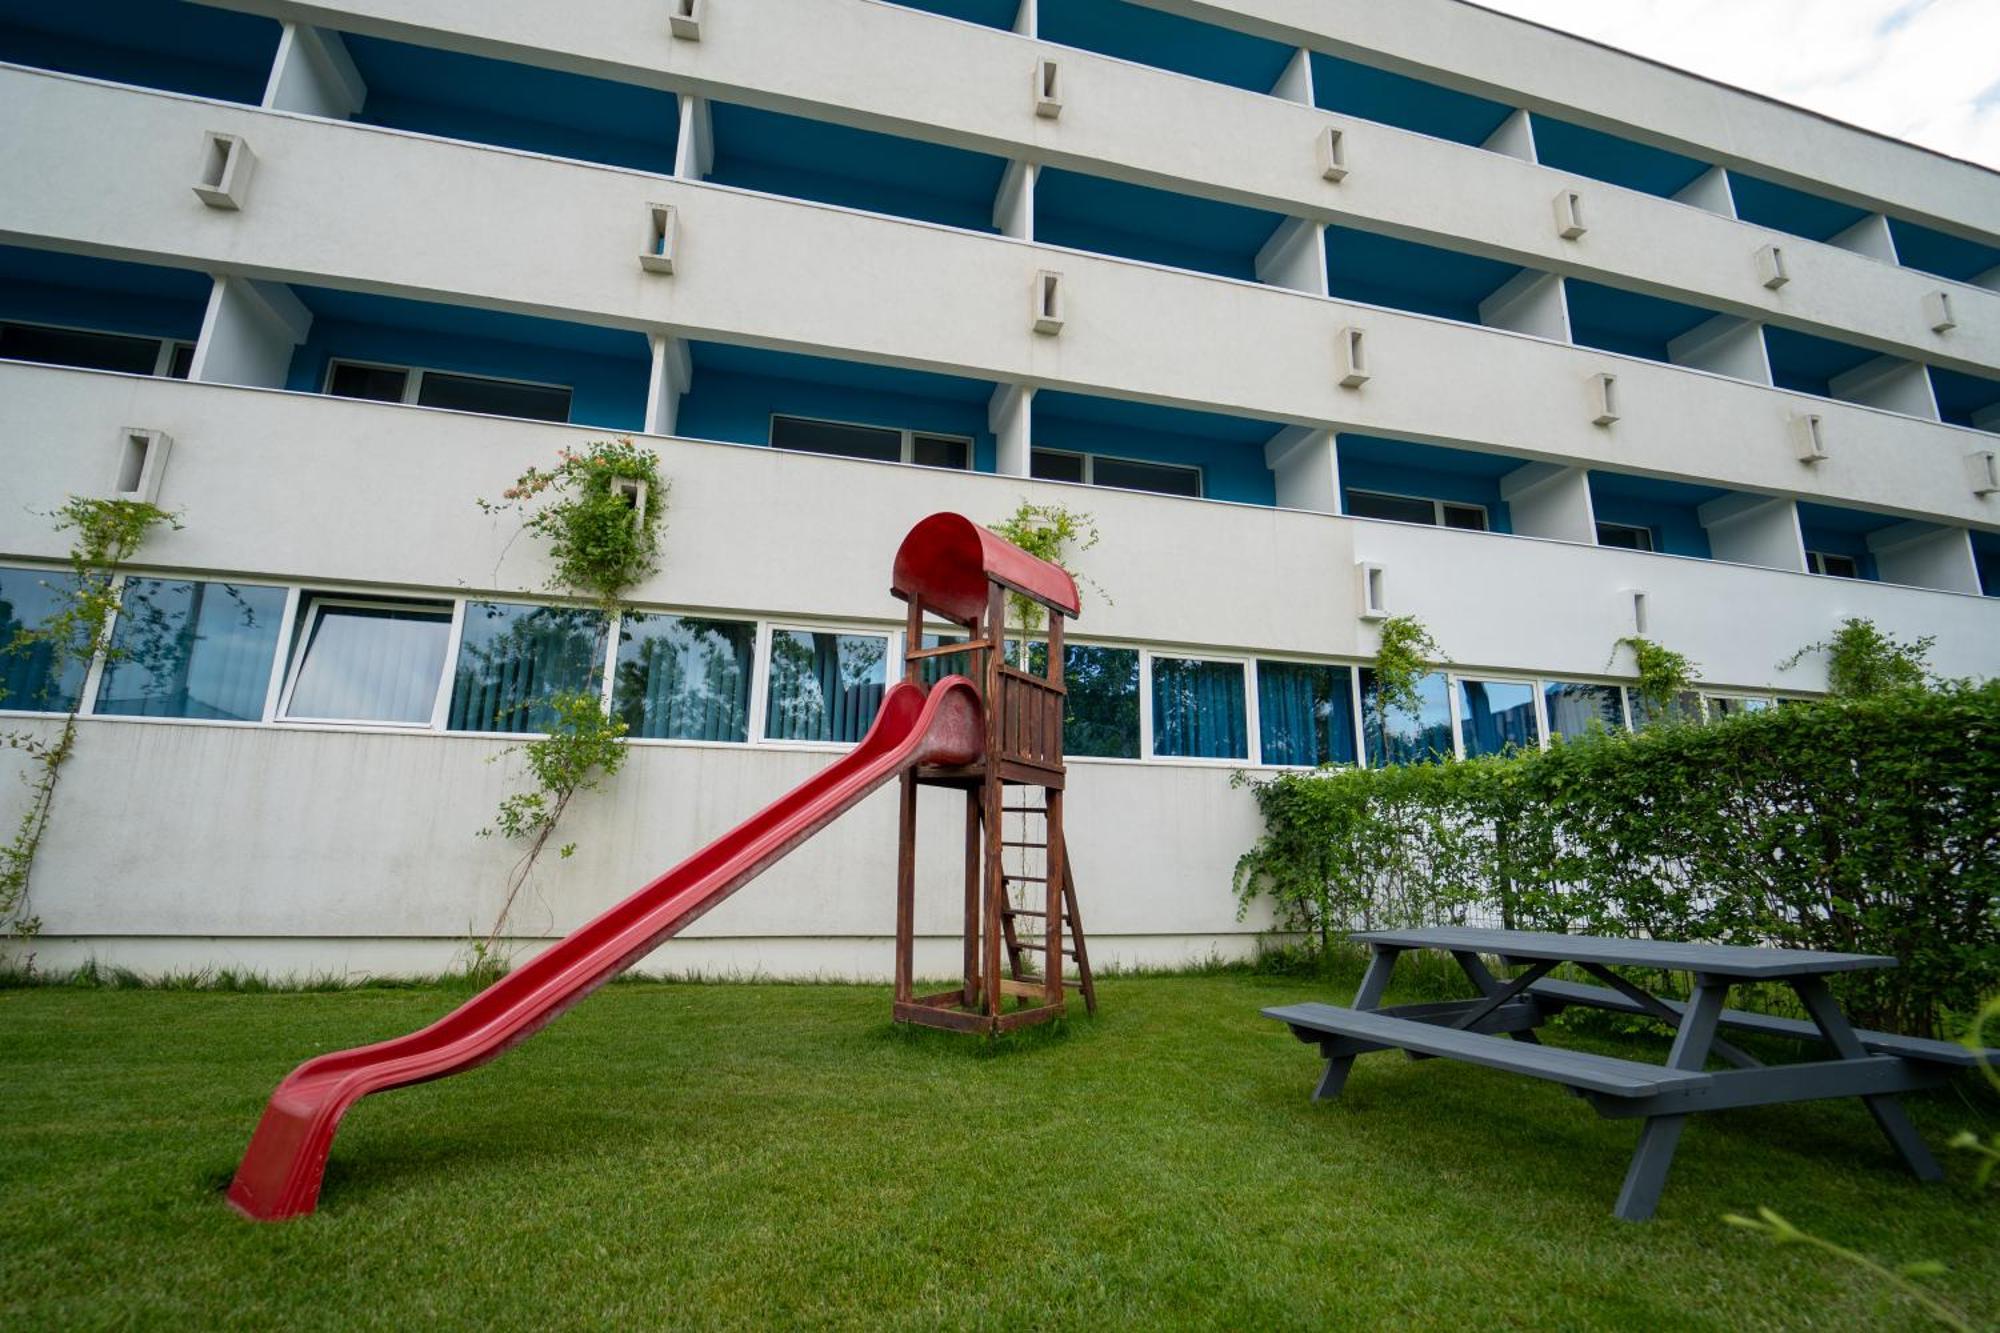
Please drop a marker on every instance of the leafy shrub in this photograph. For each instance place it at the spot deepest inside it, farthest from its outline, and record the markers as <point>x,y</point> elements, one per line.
<point>1869,825</point>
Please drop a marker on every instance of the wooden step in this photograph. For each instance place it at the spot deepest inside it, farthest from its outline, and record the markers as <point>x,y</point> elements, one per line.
<point>1005,842</point>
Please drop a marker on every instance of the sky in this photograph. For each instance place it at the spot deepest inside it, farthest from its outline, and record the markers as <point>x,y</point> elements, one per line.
<point>1923,70</point>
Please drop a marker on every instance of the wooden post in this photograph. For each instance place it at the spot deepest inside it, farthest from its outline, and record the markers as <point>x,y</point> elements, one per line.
<point>974,863</point>
<point>991,793</point>
<point>1054,855</point>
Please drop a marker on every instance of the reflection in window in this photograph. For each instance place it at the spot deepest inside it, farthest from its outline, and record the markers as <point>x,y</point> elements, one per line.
<point>684,678</point>
<point>1724,705</point>
<point>512,657</point>
<point>188,649</point>
<point>1198,709</point>
<point>368,662</point>
<point>931,670</point>
<point>1101,712</point>
<point>824,686</point>
<point>1683,707</point>
<point>1495,716</point>
<point>1305,713</point>
<point>1576,711</point>
<point>29,599</point>
<point>1400,738</point>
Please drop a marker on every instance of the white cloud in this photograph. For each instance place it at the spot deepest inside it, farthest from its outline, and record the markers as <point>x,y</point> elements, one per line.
<point>1923,70</point>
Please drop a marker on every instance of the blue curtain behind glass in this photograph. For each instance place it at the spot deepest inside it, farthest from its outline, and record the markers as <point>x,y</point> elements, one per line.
<point>684,678</point>
<point>188,649</point>
<point>1305,713</point>
<point>1495,716</point>
<point>1198,710</point>
<point>512,657</point>
<point>1423,739</point>
<point>28,598</point>
<point>825,687</point>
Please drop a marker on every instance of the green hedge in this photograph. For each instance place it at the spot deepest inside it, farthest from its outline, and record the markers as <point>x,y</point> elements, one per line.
<point>1868,826</point>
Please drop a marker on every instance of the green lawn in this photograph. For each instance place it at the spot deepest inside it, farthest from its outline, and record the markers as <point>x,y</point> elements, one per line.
<point>680,1154</point>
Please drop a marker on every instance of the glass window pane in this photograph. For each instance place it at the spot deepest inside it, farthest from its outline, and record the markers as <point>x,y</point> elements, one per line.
<point>494,398</point>
<point>684,678</point>
<point>1127,475</point>
<point>1495,716</point>
<point>1198,709</point>
<point>1624,536</point>
<point>186,649</point>
<point>825,687</point>
<point>71,347</point>
<point>512,657</point>
<point>842,441</point>
<point>1578,710</point>
<point>931,670</point>
<point>1395,508</point>
<point>1049,465</point>
<point>1305,713</point>
<point>1685,707</point>
<point>29,598</point>
<point>941,451</point>
<point>1101,710</point>
<point>1400,738</point>
<point>1723,705</point>
<point>370,664</point>
<point>380,384</point>
<point>1468,518</point>
<point>183,361</point>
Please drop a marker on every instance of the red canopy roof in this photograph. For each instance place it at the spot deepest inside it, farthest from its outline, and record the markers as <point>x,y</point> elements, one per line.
<point>947,559</point>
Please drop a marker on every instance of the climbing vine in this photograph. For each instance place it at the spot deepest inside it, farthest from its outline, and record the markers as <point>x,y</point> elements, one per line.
<point>105,534</point>
<point>1054,533</point>
<point>600,510</point>
<point>1862,661</point>
<point>1664,675</point>
<point>1406,655</point>
<point>583,747</point>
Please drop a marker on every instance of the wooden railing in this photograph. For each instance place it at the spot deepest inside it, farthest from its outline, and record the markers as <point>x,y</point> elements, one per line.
<point>1030,719</point>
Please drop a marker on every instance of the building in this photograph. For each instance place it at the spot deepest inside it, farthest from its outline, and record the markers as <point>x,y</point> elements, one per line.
<point>1326,309</point>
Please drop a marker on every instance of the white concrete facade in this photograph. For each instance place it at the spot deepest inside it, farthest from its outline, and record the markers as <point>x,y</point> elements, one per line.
<point>290,847</point>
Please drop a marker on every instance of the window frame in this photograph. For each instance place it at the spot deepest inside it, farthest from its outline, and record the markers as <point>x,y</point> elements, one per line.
<point>1816,564</point>
<point>1353,670</point>
<point>1542,702</point>
<point>1650,548</point>
<point>1090,472</point>
<point>413,379</point>
<point>1535,690</point>
<point>1253,741</point>
<point>300,631</point>
<point>906,442</point>
<point>163,354</point>
<point>1437,510</point>
<point>760,679</point>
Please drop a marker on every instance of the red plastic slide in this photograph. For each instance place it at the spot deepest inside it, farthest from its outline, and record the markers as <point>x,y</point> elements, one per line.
<point>281,1170</point>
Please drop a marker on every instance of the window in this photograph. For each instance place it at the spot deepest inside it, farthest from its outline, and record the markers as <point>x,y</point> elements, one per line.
<point>1576,711</point>
<point>513,657</point>
<point>879,444</point>
<point>1496,716</point>
<point>1833,566</point>
<point>1728,705</point>
<point>1625,536</point>
<point>371,662</point>
<point>1305,714</point>
<point>1101,712</point>
<point>1400,738</point>
<point>1685,707</point>
<point>1125,474</point>
<point>824,686</point>
<point>87,349</point>
<point>458,393</point>
<point>684,678</point>
<point>1198,710</point>
<point>1415,509</point>
<point>192,650</point>
<point>29,599</point>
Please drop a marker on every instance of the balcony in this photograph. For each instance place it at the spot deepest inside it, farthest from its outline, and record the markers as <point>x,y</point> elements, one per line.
<point>99,314</point>
<point>181,48</point>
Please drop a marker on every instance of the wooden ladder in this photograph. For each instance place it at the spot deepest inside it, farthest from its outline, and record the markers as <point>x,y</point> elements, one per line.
<point>1072,942</point>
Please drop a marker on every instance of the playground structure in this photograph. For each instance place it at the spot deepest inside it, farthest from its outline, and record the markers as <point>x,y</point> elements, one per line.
<point>986,739</point>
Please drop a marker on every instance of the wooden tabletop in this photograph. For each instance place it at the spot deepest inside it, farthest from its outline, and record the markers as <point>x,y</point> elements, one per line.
<point>1724,960</point>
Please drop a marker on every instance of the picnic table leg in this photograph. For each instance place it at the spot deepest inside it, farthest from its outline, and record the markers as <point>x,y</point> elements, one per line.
<point>1487,984</point>
<point>1661,1134</point>
<point>1888,1112</point>
<point>1374,983</point>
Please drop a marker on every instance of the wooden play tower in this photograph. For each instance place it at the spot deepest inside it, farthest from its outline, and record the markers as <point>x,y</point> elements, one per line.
<point>952,569</point>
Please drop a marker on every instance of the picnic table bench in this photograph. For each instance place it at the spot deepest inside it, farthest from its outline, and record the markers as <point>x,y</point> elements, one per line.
<point>1874,1066</point>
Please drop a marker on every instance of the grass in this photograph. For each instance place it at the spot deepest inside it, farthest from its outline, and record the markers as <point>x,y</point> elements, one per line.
<point>750,1155</point>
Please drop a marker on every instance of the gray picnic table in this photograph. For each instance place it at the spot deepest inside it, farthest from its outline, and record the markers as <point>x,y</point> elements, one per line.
<point>1874,1066</point>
